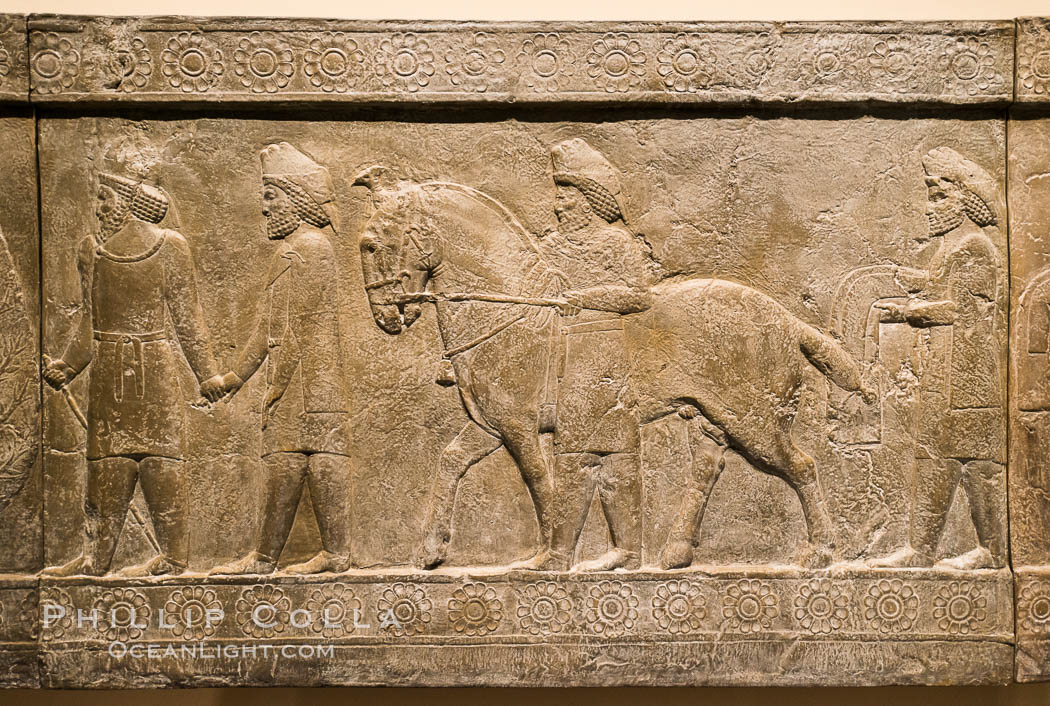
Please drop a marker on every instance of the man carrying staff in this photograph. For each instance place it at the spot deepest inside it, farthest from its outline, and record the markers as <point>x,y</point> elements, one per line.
<point>135,277</point>
<point>305,415</point>
<point>596,438</point>
<point>959,320</point>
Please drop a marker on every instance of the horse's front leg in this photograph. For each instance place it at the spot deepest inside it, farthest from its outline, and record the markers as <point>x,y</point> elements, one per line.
<point>470,446</point>
<point>708,462</point>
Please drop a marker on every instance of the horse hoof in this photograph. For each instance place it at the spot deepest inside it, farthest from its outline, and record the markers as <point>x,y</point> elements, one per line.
<point>676,555</point>
<point>432,553</point>
<point>816,557</point>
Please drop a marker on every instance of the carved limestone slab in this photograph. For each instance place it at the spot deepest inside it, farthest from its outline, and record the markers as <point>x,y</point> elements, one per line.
<point>14,64</point>
<point>493,354</point>
<point>1029,165</point>
<point>21,486</point>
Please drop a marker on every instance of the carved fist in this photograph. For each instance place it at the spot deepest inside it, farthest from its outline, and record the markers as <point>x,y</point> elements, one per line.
<point>273,396</point>
<point>212,388</point>
<point>231,383</point>
<point>572,306</point>
<point>548,418</point>
<point>58,374</point>
<point>892,312</point>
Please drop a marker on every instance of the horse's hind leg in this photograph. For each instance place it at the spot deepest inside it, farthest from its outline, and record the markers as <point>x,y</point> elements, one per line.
<point>470,446</point>
<point>708,461</point>
<point>800,471</point>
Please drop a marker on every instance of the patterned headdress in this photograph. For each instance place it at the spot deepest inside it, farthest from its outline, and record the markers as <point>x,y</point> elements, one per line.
<point>306,182</point>
<point>148,203</point>
<point>578,164</point>
<point>980,190</point>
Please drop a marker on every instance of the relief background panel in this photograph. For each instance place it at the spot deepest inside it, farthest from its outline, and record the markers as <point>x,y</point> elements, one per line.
<point>786,205</point>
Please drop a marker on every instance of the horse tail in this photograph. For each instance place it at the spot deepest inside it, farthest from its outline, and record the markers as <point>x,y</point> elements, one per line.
<point>831,359</point>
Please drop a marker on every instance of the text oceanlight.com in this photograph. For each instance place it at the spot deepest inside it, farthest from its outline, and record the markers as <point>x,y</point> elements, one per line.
<point>202,650</point>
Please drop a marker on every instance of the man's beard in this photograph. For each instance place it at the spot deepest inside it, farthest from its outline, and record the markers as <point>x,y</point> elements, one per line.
<point>111,222</point>
<point>281,225</point>
<point>944,220</point>
<point>573,219</point>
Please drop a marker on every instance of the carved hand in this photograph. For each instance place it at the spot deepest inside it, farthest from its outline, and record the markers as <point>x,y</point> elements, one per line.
<point>212,388</point>
<point>231,383</point>
<point>574,304</point>
<point>892,312</point>
<point>58,374</point>
<point>273,396</point>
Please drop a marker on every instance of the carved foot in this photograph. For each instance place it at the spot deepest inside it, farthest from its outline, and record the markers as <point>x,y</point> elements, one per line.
<point>547,560</point>
<point>81,566</point>
<point>676,554</point>
<point>254,563</point>
<point>977,558</point>
<point>541,561</point>
<point>157,566</point>
<point>903,558</point>
<point>434,550</point>
<point>323,561</point>
<point>616,558</point>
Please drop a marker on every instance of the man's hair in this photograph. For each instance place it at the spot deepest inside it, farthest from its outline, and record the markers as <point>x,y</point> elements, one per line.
<point>601,201</point>
<point>975,208</point>
<point>147,203</point>
<point>305,206</point>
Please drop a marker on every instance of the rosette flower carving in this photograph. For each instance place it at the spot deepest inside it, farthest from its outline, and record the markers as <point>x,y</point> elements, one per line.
<point>405,62</point>
<point>264,63</point>
<point>191,63</point>
<point>333,62</point>
<point>54,63</point>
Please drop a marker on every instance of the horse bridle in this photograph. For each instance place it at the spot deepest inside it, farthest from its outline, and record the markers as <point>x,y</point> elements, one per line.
<point>409,235</point>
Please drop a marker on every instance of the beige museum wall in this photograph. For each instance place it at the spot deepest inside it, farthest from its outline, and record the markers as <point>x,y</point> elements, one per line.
<point>671,10</point>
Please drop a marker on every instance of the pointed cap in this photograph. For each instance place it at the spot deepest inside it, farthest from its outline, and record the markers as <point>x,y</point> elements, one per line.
<point>283,161</point>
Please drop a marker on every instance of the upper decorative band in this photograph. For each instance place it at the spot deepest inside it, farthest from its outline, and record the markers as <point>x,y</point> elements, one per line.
<point>75,59</point>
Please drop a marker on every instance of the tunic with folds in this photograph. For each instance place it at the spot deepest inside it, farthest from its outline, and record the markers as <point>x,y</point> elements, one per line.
<point>961,388</point>
<point>139,307</point>
<point>298,335</point>
<point>597,412</point>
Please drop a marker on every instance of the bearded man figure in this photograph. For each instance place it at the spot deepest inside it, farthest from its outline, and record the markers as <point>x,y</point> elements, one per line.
<point>596,434</point>
<point>135,278</point>
<point>959,319</point>
<point>305,415</point>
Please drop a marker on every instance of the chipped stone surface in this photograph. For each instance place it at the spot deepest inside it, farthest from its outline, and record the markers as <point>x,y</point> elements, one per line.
<point>14,63</point>
<point>1030,504</point>
<point>21,480</point>
<point>512,368</point>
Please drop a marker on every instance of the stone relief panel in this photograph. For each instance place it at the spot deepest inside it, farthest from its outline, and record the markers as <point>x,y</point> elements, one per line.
<point>14,65</point>
<point>1030,505</point>
<point>542,394</point>
<point>545,398</point>
<point>21,481</point>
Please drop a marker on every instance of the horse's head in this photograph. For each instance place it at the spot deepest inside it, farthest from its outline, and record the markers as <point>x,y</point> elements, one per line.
<point>395,258</point>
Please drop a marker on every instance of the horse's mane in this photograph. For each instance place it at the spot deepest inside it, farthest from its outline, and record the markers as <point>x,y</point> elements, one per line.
<point>525,238</point>
<point>523,235</point>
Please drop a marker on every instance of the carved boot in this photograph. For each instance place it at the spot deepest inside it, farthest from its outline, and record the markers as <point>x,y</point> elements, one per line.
<point>976,558</point>
<point>322,561</point>
<point>552,560</point>
<point>253,563</point>
<point>533,563</point>
<point>157,566</point>
<point>903,558</point>
<point>81,566</point>
<point>615,558</point>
